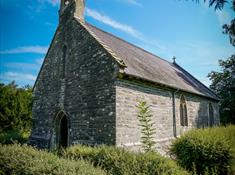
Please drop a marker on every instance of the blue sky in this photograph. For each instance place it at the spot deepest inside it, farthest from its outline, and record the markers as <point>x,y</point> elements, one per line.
<point>189,31</point>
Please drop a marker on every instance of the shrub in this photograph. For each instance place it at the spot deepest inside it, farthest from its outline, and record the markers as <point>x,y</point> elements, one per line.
<point>15,107</point>
<point>11,137</point>
<point>207,150</point>
<point>118,161</point>
<point>16,159</point>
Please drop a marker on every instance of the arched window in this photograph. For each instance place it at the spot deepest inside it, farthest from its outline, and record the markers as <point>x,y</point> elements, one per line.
<point>211,115</point>
<point>64,60</point>
<point>183,112</point>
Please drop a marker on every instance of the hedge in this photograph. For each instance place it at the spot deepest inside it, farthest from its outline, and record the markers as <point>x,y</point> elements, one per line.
<point>17,159</point>
<point>11,137</point>
<point>207,151</point>
<point>117,161</point>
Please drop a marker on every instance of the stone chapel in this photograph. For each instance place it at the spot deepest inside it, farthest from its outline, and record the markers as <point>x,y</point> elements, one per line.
<point>91,81</point>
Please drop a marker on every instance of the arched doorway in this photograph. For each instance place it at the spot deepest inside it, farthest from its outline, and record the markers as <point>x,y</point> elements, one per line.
<point>62,126</point>
<point>63,135</point>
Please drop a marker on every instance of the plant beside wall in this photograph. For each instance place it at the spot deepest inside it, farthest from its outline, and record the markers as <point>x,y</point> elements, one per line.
<point>146,124</point>
<point>21,159</point>
<point>207,151</point>
<point>117,161</point>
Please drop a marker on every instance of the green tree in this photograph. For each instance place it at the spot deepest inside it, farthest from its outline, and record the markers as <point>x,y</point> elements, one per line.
<point>146,124</point>
<point>15,107</point>
<point>230,28</point>
<point>223,84</point>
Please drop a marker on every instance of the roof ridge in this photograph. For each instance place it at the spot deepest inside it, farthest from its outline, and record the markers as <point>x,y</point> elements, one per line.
<point>138,47</point>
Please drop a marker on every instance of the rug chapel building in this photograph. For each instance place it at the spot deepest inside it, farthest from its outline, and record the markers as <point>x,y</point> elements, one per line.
<point>90,82</point>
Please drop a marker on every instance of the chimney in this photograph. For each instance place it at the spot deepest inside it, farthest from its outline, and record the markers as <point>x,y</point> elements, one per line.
<point>79,8</point>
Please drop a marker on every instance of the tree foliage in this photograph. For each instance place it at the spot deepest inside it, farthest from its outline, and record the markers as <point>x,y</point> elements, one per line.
<point>219,4</point>
<point>223,84</point>
<point>146,124</point>
<point>230,28</point>
<point>15,107</point>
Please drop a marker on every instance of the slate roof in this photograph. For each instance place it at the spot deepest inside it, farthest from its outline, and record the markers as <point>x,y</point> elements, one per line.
<point>145,65</point>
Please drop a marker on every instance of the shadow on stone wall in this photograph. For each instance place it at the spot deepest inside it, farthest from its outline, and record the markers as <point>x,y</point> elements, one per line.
<point>201,120</point>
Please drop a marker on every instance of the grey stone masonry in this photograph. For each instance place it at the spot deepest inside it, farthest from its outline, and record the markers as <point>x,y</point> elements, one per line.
<point>86,94</point>
<point>83,96</point>
<point>128,132</point>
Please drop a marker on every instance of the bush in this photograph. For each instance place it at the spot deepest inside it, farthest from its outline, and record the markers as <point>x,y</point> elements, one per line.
<point>16,159</point>
<point>15,107</point>
<point>11,137</point>
<point>209,150</point>
<point>118,161</point>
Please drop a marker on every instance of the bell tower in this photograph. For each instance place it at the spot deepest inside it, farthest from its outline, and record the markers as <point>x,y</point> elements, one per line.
<point>79,11</point>
<point>79,7</point>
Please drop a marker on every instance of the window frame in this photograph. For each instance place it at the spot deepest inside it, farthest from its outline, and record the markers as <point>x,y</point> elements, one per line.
<point>183,111</point>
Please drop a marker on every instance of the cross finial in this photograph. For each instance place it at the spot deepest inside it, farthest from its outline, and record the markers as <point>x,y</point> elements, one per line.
<point>174,58</point>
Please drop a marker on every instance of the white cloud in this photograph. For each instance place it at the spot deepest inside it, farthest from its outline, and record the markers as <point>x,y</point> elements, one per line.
<point>26,49</point>
<point>16,65</point>
<point>134,2</point>
<point>21,72</point>
<point>223,17</point>
<point>18,77</point>
<point>52,2</point>
<point>146,42</point>
<point>109,21</point>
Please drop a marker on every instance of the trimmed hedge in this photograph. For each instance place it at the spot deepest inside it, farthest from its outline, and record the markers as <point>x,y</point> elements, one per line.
<point>11,137</point>
<point>17,159</point>
<point>206,151</point>
<point>121,162</point>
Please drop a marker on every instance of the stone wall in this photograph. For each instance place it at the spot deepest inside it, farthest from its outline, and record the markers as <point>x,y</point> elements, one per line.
<point>197,110</point>
<point>128,93</point>
<point>100,108</point>
<point>86,94</point>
